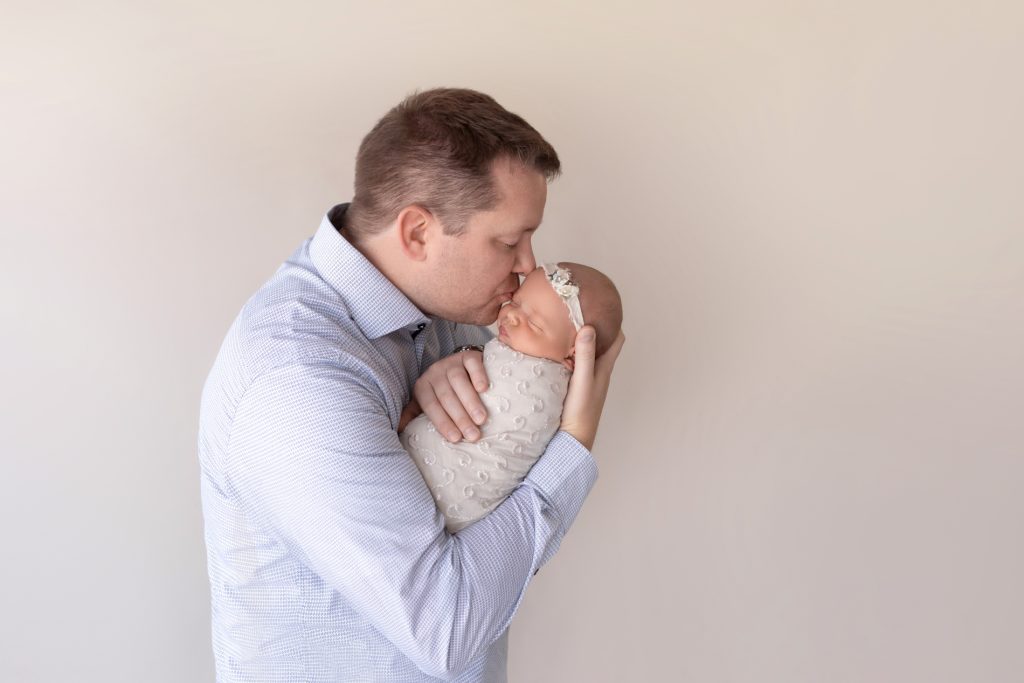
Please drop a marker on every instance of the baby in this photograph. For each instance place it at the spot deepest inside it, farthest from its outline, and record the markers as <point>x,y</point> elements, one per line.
<point>529,365</point>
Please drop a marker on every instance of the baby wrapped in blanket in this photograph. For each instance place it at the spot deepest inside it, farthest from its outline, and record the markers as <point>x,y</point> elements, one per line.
<point>529,366</point>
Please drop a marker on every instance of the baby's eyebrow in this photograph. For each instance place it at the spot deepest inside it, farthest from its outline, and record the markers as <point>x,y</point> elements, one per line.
<point>536,317</point>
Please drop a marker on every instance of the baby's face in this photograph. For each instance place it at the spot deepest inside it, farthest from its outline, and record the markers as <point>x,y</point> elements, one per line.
<point>536,321</point>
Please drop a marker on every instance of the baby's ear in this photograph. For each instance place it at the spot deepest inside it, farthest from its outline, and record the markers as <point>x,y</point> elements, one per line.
<point>569,363</point>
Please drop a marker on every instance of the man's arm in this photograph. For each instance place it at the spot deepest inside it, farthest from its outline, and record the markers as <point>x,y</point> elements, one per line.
<point>316,462</point>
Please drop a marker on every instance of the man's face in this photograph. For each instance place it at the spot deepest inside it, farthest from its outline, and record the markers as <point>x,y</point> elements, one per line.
<point>476,272</point>
<point>536,321</point>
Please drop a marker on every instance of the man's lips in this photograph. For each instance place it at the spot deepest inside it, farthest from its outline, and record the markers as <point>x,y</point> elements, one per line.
<point>501,331</point>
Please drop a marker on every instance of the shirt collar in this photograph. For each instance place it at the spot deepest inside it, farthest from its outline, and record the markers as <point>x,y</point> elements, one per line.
<point>376,305</point>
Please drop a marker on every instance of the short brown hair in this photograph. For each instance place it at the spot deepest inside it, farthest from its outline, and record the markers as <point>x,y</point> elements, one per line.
<point>436,149</point>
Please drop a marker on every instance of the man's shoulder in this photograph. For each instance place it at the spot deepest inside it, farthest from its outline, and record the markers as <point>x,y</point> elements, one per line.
<point>296,318</point>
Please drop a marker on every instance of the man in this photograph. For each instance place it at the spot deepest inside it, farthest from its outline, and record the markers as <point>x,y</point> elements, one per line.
<point>328,560</point>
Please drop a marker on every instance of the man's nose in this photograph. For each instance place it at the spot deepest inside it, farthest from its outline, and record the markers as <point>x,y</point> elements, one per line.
<point>525,261</point>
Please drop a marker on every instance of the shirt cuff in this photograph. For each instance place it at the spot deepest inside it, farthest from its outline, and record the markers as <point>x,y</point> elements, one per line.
<point>563,476</point>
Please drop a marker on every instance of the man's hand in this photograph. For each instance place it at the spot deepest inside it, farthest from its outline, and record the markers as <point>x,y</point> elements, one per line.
<point>448,392</point>
<point>589,386</point>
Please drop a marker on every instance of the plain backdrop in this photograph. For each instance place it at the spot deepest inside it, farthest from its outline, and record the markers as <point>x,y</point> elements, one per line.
<point>812,456</point>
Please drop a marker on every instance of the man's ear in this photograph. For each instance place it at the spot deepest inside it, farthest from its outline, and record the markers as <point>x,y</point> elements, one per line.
<point>415,224</point>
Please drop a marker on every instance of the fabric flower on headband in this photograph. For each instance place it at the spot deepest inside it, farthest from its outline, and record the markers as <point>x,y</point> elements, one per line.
<point>561,281</point>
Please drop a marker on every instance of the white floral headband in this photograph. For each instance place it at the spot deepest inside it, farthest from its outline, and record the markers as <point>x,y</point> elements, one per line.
<point>561,281</point>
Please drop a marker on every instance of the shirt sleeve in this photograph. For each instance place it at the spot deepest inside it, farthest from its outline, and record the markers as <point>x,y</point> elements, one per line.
<point>314,459</point>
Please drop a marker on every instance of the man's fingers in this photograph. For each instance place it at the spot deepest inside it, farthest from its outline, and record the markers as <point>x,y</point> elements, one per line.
<point>452,405</point>
<point>467,394</point>
<point>474,364</point>
<point>448,394</point>
<point>607,359</point>
<point>603,366</point>
<point>435,412</point>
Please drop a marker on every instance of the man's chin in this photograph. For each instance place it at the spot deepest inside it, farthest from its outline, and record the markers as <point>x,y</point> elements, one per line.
<point>483,316</point>
<point>488,317</point>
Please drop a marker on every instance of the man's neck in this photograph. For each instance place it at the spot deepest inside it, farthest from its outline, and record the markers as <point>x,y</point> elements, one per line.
<point>378,249</point>
<point>340,221</point>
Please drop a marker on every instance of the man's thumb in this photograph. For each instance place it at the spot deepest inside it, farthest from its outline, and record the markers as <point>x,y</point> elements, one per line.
<point>586,343</point>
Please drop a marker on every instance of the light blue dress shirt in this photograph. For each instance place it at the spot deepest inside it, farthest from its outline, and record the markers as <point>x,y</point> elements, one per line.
<point>328,559</point>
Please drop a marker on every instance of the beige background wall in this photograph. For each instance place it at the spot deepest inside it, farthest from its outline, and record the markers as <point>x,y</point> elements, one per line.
<point>813,455</point>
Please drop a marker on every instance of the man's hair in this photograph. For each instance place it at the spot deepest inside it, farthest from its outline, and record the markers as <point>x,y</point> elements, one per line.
<point>600,303</point>
<point>436,149</point>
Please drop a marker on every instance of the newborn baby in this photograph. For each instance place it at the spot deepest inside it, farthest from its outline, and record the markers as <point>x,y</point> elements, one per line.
<point>529,365</point>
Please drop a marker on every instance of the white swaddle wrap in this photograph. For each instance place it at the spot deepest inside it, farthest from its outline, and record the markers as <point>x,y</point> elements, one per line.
<point>524,409</point>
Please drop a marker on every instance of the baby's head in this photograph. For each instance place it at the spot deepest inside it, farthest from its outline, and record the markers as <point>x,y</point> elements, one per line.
<point>538,322</point>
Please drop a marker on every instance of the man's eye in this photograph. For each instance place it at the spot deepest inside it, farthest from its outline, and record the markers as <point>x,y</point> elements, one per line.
<point>510,246</point>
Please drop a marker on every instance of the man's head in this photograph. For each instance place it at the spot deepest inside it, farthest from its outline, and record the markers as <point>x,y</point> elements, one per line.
<point>449,189</point>
<point>537,322</point>
<point>436,149</point>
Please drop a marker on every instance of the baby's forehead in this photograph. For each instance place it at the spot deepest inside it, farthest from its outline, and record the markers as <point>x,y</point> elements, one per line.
<point>537,291</point>
<point>536,274</point>
<point>536,282</point>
